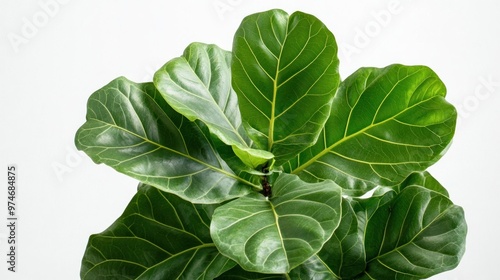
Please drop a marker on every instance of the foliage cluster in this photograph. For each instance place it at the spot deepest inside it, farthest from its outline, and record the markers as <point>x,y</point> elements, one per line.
<point>256,164</point>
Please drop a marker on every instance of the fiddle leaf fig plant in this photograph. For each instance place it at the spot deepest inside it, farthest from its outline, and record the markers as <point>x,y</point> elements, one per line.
<point>257,164</point>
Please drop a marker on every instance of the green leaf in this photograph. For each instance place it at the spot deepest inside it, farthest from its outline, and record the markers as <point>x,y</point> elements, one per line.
<point>414,234</point>
<point>285,72</point>
<point>343,255</point>
<point>275,235</point>
<point>242,170</point>
<point>237,273</point>
<point>159,236</point>
<point>198,85</point>
<point>344,252</point>
<point>313,269</point>
<point>131,128</point>
<point>425,180</point>
<point>385,124</point>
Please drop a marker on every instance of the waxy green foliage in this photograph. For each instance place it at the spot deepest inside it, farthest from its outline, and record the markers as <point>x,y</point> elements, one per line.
<point>252,164</point>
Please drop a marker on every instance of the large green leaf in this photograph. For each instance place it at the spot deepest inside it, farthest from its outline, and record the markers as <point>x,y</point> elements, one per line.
<point>198,85</point>
<point>411,235</point>
<point>285,72</point>
<point>344,253</point>
<point>159,236</point>
<point>275,235</point>
<point>385,123</point>
<point>410,232</point>
<point>131,128</point>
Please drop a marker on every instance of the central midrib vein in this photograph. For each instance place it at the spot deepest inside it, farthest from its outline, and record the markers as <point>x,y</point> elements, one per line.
<point>331,147</point>
<point>186,155</point>
<point>273,113</point>
<point>275,92</point>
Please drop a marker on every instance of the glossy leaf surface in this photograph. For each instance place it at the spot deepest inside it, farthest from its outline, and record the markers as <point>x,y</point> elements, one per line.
<point>411,235</point>
<point>285,72</point>
<point>344,253</point>
<point>424,179</point>
<point>313,268</point>
<point>198,85</point>
<point>252,164</point>
<point>131,128</point>
<point>275,235</point>
<point>159,236</point>
<point>385,124</point>
<point>237,273</point>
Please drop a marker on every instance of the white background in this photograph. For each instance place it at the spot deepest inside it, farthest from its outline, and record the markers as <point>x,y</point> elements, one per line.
<point>53,55</point>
